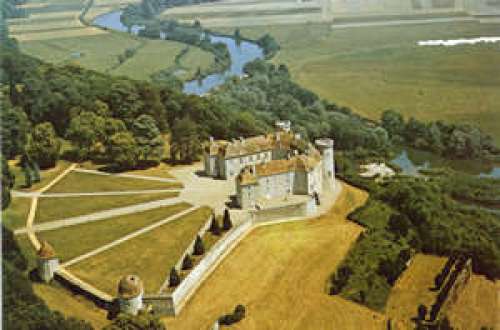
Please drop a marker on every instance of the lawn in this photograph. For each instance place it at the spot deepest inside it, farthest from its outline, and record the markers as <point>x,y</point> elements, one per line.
<point>57,208</point>
<point>413,288</point>
<point>88,182</point>
<point>377,68</point>
<point>279,274</point>
<point>46,176</point>
<point>17,212</point>
<point>150,256</point>
<point>97,233</point>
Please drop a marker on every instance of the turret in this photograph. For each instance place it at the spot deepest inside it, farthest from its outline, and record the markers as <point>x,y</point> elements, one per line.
<point>47,262</point>
<point>325,146</point>
<point>130,293</point>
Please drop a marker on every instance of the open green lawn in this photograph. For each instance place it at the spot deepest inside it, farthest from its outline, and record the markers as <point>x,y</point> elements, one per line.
<point>70,242</point>
<point>88,182</point>
<point>57,208</point>
<point>150,256</point>
<point>46,176</point>
<point>17,212</point>
<point>376,68</point>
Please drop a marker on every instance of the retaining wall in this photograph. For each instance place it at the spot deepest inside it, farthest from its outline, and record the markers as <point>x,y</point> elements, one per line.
<point>302,209</point>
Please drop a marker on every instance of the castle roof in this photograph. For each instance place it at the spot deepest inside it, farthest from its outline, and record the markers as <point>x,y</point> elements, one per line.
<point>249,146</point>
<point>304,163</point>
<point>46,251</point>
<point>130,286</point>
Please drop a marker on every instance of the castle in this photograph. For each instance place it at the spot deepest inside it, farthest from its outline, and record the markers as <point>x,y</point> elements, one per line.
<point>272,166</point>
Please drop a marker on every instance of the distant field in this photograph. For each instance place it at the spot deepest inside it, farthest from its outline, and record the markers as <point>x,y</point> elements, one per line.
<point>95,234</point>
<point>54,33</point>
<point>279,273</point>
<point>377,68</point>
<point>58,208</point>
<point>88,182</point>
<point>150,255</point>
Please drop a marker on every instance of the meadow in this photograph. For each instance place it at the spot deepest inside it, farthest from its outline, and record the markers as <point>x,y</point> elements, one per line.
<point>372,69</point>
<point>54,33</point>
<point>279,273</point>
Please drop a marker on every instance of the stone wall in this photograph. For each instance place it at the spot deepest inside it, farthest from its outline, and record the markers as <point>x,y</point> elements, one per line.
<point>162,304</point>
<point>302,209</point>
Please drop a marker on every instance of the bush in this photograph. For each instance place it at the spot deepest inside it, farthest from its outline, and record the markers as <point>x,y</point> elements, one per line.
<point>187,263</point>
<point>199,249</point>
<point>215,227</point>
<point>226,221</point>
<point>236,316</point>
<point>174,279</point>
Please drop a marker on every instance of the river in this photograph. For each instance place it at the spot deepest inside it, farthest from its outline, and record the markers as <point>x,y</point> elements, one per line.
<point>241,53</point>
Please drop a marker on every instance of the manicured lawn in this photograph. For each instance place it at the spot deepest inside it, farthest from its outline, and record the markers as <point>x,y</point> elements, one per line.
<point>150,256</point>
<point>17,212</point>
<point>376,68</point>
<point>46,176</point>
<point>279,273</point>
<point>70,242</point>
<point>87,182</point>
<point>413,288</point>
<point>57,208</point>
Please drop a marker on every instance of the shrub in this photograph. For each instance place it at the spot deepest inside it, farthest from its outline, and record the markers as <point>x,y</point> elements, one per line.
<point>236,316</point>
<point>199,249</point>
<point>187,263</point>
<point>226,221</point>
<point>215,227</point>
<point>174,279</point>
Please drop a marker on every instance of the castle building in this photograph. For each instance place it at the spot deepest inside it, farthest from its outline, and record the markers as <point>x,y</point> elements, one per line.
<point>272,166</point>
<point>47,262</point>
<point>130,293</point>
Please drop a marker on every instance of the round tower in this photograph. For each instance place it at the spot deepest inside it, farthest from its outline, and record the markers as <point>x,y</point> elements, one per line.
<point>130,293</point>
<point>47,262</point>
<point>325,147</point>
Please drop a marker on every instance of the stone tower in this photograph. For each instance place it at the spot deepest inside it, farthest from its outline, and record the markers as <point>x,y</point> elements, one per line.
<point>130,293</point>
<point>325,146</point>
<point>47,262</point>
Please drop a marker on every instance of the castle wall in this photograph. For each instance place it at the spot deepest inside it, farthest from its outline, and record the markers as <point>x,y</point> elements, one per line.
<point>274,186</point>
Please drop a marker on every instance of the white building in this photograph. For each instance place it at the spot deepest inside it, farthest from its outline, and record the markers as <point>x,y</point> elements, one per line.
<point>47,262</point>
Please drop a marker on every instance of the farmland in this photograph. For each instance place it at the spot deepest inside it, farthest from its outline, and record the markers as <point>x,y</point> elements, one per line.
<point>377,68</point>
<point>54,33</point>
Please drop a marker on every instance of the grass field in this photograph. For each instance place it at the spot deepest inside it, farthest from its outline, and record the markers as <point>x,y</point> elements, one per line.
<point>87,182</point>
<point>46,176</point>
<point>377,68</point>
<point>57,208</point>
<point>150,256</point>
<point>17,212</point>
<point>54,34</point>
<point>71,305</point>
<point>413,288</point>
<point>94,234</point>
<point>477,306</point>
<point>280,273</point>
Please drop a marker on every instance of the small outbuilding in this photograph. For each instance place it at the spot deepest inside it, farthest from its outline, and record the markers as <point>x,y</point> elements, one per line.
<point>47,262</point>
<point>130,294</point>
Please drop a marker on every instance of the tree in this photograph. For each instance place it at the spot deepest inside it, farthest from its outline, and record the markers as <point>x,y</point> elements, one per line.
<point>226,220</point>
<point>36,172</point>
<point>199,248</point>
<point>185,140</point>
<point>399,224</point>
<point>122,150</point>
<point>84,131</point>
<point>421,312</point>
<point>174,278</point>
<point>148,137</point>
<point>43,145</point>
<point>136,322</point>
<point>8,180</point>
<point>15,127</point>
<point>28,181</point>
<point>214,226</point>
<point>393,122</point>
<point>187,263</point>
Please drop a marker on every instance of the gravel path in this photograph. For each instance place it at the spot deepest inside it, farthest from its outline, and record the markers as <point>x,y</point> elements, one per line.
<point>124,175</point>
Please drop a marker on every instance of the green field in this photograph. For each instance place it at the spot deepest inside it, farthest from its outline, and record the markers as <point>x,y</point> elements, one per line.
<point>17,212</point>
<point>150,256</point>
<point>95,234</point>
<point>57,208</point>
<point>46,176</point>
<point>376,68</point>
<point>79,182</point>
<point>54,34</point>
